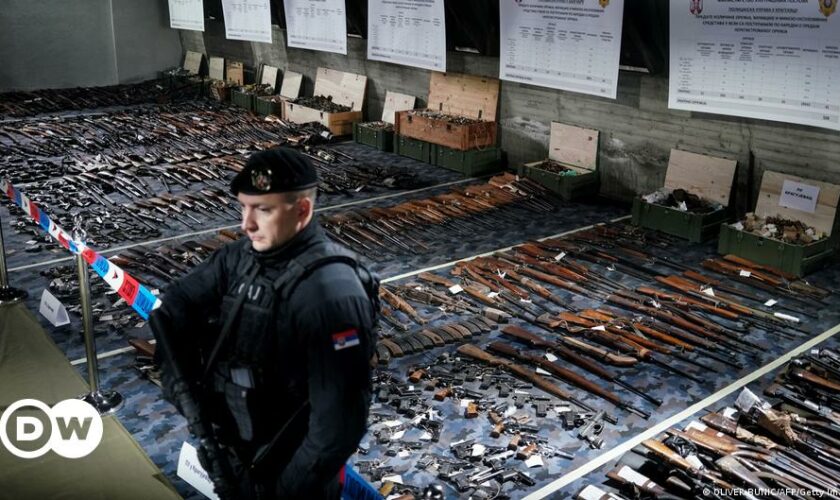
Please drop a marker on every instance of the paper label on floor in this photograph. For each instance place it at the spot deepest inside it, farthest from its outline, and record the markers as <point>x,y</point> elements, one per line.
<point>535,461</point>
<point>559,256</point>
<point>632,476</point>
<point>745,274</point>
<point>191,471</point>
<point>591,493</point>
<point>454,289</point>
<point>696,425</point>
<point>52,309</point>
<point>550,357</point>
<point>708,291</point>
<point>396,478</point>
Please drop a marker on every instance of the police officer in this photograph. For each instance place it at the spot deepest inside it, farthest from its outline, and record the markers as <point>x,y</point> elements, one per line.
<point>285,373</point>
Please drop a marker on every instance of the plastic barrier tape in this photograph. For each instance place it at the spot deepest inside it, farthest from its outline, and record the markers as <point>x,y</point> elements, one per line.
<point>136,295</point>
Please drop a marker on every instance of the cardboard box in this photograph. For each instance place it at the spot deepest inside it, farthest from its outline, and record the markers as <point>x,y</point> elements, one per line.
<point>705,176</point>
<point>576,149</point>
<point>798,260</point>
<point>345,88</point>
<point>459,95</point>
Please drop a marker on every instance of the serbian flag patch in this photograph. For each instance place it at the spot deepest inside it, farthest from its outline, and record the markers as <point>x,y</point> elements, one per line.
<point>345,339</point>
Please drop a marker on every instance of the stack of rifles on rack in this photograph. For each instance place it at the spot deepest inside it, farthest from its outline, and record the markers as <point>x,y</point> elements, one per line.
<point>755,450</point>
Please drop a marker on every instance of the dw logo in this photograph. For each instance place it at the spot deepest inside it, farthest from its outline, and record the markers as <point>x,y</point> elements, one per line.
<point>30,428</point>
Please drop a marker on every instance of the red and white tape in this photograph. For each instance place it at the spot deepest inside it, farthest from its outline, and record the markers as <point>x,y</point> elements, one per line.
<point>136,295</point>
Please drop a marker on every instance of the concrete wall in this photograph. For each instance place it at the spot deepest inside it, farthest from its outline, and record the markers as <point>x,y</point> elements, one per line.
<point>56,44</point>
<point>145,44</point>
<point>637,129</point>
<point>75,43</point>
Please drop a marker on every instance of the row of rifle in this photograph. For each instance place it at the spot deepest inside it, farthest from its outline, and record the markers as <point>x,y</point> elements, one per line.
<point>151,136</point>
<point>788,451</point>
<point>684,323</point>
<point>35,102</point>
<point>413,226</point>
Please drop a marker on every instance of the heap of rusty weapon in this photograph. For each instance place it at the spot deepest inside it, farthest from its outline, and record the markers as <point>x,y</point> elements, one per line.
<point>321,103</point>
<point>173,133</point>
<point>755,450</point>
<point>411,227</point>
<point>20,104</point>
<point>445,117</point>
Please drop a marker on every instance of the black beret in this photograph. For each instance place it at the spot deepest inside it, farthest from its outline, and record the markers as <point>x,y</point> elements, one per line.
<point>275,170</point>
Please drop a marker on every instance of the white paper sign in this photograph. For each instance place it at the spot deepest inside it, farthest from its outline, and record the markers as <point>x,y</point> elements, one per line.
<point>771,302</point>
<point>408,32</point>
<point>186,15</point>
<point>760,59</point>
<point>799,196</point>
<point>561,44</point>
<point>248,20</point>
<point>191,471</point>
<point>455,289</point>
<point>52,309</point>
<point>317,25</point>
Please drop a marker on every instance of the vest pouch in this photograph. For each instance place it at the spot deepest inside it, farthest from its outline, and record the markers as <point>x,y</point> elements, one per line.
<point>240,401</point>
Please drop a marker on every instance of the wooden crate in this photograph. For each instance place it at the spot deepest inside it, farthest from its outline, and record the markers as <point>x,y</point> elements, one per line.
<point>793,259</point>
<point>459,95</point>
<point>706,176</point>
<point>345,88</point>
<point>575,148</point>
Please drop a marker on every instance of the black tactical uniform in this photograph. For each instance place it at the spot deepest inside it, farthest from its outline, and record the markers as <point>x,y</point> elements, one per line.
<point>289,388</point>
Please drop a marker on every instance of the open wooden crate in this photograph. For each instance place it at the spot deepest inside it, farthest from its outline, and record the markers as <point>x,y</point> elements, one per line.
<point>454,94</point>
<point>706,176</point>
<point>576,149</point>
<point>345,88</point>
<point>790,258</point>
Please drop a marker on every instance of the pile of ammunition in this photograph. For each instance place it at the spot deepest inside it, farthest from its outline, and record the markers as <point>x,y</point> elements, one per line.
<point>322,103</point>
<point>380,125</point>
<point>682,200</point>
<point>436,115</point>
<point>555,168</point>
<point>259,89</point>
<point>779,228</point>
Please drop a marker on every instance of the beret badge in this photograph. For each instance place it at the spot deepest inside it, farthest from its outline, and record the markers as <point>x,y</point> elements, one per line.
<point>261,179</point>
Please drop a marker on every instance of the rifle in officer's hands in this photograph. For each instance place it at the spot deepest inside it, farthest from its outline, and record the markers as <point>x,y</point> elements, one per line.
<point>210,454</point>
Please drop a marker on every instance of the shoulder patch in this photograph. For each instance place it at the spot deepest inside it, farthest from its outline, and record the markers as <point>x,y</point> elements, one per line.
<point>345,339</point>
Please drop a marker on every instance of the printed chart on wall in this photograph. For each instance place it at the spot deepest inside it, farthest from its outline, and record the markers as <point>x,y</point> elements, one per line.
<point>186,15</point>
<point>317,25</point>
<point>247,20</point>
<point>769,59</point>
<point>562,44</point>
<point>408,32</point>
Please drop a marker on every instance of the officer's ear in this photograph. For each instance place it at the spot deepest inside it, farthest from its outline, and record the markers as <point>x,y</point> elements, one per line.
<point>305,205</point>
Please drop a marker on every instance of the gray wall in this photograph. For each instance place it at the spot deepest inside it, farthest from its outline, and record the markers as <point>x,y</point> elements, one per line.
<point>71,43</point>
<point>145,42</point>
<point>637,129</point>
